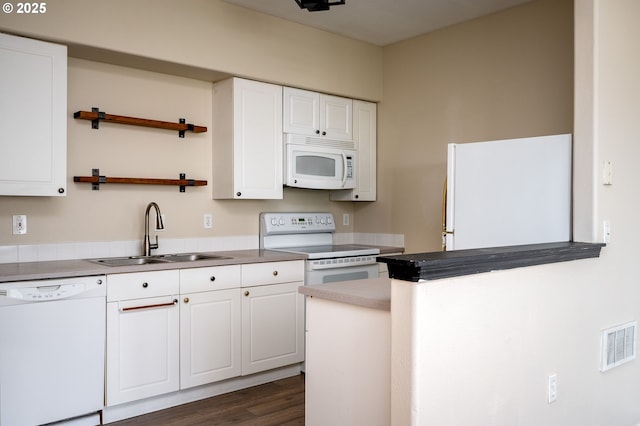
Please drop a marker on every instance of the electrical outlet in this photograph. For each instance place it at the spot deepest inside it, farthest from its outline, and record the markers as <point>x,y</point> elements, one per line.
<point>346,219</point>
<point>208,221</point>
<point>552,393</point>
<point>19,224</point>
<point>606,227</point>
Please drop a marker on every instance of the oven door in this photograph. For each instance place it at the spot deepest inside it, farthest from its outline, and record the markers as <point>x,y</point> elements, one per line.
<point>319,167</point>
<point>332,275</point>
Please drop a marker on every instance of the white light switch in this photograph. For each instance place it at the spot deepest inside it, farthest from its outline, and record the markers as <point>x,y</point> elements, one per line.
<point>607,173</point>
<point>552,391</point>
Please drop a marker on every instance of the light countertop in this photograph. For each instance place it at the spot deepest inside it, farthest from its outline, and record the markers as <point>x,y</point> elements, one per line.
<point>27,271</point>
<point>374,293</point>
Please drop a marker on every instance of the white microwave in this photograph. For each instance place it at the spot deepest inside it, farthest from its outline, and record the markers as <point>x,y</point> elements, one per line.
<point>318,163</point>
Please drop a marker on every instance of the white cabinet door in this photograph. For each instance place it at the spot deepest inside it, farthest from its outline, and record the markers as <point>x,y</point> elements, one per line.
<point>210,345</point>
<point>365,138</point>
<point>33,122</point>
<point>336,119</point>
<point>142,335</point>
<point>317,114</point>
<point>142,348</point>
<point>247,140</point>
<point>301,111</point>
<point>272,327</point>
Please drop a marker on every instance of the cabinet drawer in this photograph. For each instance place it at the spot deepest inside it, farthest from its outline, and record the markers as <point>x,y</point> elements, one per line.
<point>272,273</point>
<point>142,284</point>
<point>213,278</point>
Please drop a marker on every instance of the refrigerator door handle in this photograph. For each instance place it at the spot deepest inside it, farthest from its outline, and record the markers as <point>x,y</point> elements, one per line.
<point>445,232</point>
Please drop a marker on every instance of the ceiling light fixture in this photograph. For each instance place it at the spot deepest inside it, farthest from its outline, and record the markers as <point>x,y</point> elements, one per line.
<point>317,5</point>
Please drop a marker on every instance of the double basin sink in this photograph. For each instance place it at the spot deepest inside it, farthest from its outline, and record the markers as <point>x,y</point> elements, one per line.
<point>160,258</point>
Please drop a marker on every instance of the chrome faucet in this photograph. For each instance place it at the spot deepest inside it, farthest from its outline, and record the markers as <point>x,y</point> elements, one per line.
<point>148,246</point>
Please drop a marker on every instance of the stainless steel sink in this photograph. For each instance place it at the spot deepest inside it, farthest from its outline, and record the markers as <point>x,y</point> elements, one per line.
<point>190,257</point>
<point>160,258</point>
<point>127,261</point>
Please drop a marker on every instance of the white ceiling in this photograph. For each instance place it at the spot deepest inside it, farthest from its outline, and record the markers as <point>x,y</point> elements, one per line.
<point>382,22</point>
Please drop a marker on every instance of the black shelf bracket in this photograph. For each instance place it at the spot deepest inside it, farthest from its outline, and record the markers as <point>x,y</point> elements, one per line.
<point>95,124</point>
<point>95,186</point>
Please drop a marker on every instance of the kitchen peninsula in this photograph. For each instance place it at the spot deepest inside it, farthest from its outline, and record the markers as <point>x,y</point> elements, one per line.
<point>398,350</point>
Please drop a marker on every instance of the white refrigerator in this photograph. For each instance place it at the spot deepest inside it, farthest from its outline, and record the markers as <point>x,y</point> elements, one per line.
<point>508,192</point>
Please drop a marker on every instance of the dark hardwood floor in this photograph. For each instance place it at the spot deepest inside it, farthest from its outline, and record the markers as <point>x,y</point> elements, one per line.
<point>276,403</point>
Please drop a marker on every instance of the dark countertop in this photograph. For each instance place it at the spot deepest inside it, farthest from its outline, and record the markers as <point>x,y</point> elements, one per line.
<point>436,265</point>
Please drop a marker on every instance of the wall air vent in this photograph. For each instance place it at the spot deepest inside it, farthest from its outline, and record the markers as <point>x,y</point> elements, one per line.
<point>618,345</point>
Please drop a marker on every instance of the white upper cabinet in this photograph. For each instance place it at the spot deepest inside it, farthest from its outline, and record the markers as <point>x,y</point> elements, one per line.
<point>33,122</point>
<point>247,140</point>
<point>317,114</point>
<point>365,137</point>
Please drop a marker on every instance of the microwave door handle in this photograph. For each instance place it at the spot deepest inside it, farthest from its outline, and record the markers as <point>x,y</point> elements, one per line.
<point>344,169</point>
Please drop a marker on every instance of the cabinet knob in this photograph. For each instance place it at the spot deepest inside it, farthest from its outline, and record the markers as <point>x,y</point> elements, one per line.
<point>275,273</point>
<point>186,300</point>
<point>213,278</point>
<point>357,195</point>
<point>238,194</point>
<point>324,133</point>
<point>60,190</point>
<point>145,285</point>
<point>317,132</point>
<point>246,293</point>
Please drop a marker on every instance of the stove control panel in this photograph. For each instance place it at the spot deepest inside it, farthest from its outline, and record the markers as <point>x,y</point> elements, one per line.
<point>292,223</point>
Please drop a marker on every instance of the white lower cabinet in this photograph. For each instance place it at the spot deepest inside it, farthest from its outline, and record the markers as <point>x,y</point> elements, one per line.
<point>210,325</point>
<point>177,329</point>
<point>142,335</point>
<point>272,315</point>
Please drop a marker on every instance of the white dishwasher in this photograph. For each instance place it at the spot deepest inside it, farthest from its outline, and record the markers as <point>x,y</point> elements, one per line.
<point>52,345</point>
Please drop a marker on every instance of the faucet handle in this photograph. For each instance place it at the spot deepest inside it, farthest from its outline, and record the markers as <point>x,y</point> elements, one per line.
<point>153,246</point>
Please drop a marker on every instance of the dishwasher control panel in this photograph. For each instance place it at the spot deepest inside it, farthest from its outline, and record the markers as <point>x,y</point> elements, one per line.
<point>54,289</point>
<point>49,292</point>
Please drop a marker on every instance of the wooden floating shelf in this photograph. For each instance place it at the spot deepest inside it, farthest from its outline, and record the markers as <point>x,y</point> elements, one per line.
<point>95,179</point>
<point>95,116</point>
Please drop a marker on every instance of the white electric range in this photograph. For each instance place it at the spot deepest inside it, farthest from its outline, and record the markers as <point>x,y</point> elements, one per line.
<point>312,234</point>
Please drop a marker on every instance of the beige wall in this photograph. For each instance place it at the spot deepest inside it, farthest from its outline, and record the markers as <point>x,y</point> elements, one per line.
<point>116,212</point>
<point>488,342</point>
<point>195,38</point>
<point>506,75</point>
<point>210,35</point>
